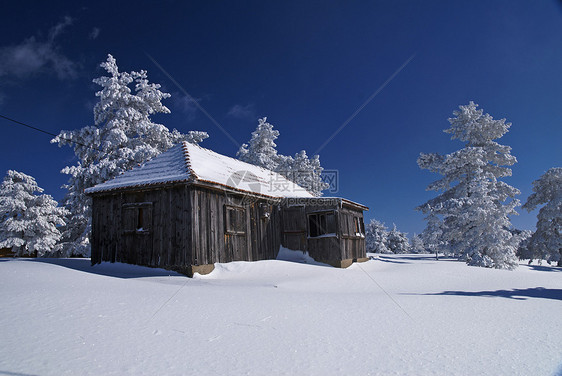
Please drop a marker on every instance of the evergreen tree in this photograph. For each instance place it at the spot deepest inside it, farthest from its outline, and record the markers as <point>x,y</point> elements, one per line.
<point>397,241</point>
<point>417,244</point>
<point>522,239</point>
<point>304,171</point>
<point>28,222</point>
<point>261,151</point>
<point>546,242</point>
<point>123,137</point>
<point>474,204</point>
<point>432,236</point>
<point>376,237</point>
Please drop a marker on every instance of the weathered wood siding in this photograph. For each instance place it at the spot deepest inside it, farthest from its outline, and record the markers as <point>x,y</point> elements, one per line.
<point>178,226</point>
<point>294,228</point>
<point>352,245</point>
<point>165,235</point>
<point>345,244</point>
<point>257,238</point>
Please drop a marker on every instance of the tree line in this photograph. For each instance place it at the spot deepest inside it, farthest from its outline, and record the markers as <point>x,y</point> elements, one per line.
<point>468,219</point>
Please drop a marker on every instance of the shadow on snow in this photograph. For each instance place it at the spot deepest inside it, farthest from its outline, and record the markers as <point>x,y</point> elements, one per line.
<point>408,258</point>
<point>117,269</point>
<point>517,294</point>
<point>543,268</point>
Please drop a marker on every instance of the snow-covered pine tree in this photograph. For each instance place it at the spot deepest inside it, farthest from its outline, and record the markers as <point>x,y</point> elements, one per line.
<point>376,235</point>
<point>432,236</point>
<point>417,244</point>
<point>522,238</point>
<point>397,241</point>
<point>546,242</point>
<point>29,220</point>
<point>474,205</point>
<point>261,151</point>
<point>304,171</point>
<point>123,137</point>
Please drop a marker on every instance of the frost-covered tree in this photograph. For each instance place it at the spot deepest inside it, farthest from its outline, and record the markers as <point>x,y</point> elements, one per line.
<point>474,204</point>
<point>397,241</point>
<point>29,219</point>
<point>376,235</point>
<point>123,137</point>
<point>546,242</point>
<point>261,151</point>
<point>522,238</point>
<point>304,171</point>
<point>417,245</point>
<point>433,235</point>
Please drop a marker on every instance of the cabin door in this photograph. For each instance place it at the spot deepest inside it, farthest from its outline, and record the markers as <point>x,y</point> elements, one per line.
<point>236,233</point>
<point>294,228</point>
<point>137,233</point>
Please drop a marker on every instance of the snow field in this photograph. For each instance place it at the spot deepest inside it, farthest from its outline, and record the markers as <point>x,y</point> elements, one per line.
<point>395,315</point>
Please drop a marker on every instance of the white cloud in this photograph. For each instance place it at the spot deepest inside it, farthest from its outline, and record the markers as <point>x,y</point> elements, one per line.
<point>36,55</point>
<point>243,112</point>
<point>94,33</point>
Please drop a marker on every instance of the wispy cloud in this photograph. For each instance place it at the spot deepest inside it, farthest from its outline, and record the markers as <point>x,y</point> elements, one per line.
<point>242,112</point>
<point>94,33</point>
<point>185,104</point>
<point>37,55</point>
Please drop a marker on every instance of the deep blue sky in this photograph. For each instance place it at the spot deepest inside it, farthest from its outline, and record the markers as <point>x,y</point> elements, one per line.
<point>307,66</point>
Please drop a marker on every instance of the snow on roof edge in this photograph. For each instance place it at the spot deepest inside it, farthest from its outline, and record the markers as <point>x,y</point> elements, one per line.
<point>195,163</point>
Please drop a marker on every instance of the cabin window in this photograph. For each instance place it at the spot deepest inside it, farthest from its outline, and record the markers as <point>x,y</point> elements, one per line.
<point>235,220</point>
<point>321,224</point>
<point>352,225</point>
<point>359,226</point>
<point>362,224</point>
<point>137,217</point>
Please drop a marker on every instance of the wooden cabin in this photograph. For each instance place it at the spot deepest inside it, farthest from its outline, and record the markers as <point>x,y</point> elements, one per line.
<point>330,229</point>
<point>190,207</point>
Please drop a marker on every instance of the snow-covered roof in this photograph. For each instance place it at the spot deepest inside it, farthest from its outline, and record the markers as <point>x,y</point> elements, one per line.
<point>187,162</point>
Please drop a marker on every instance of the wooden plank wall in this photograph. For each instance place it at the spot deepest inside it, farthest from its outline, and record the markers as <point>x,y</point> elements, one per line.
<point>294,228</point>
<point>352,247</point>
<point>212,243</point>
<point>165,244</point>
<point>188,228</point>
<point>327,249</point>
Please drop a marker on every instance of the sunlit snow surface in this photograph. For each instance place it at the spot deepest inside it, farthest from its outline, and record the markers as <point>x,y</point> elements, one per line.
<point>395,315</point>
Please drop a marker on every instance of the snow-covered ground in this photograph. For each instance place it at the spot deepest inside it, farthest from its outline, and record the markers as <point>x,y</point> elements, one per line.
<point>396,315</point>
